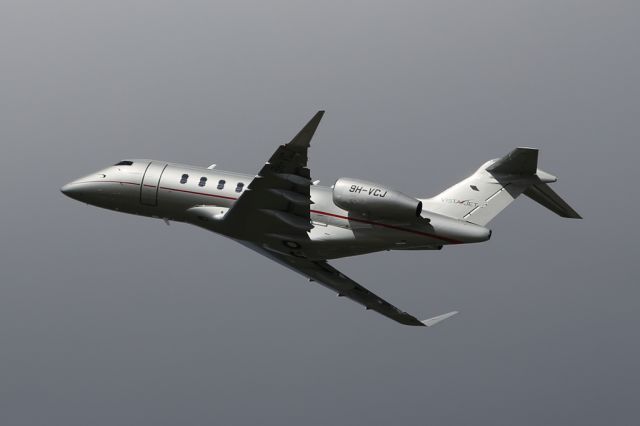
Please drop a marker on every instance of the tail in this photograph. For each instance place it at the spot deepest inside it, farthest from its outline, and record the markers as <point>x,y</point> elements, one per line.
<point>484,194</point>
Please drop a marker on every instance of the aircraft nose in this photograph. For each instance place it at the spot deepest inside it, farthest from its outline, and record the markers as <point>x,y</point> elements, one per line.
<point>66,189</point>
<point>76,190</point>
<point>71,190</point>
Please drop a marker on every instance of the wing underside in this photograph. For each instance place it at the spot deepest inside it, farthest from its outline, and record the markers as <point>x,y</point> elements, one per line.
<point>328,276</point>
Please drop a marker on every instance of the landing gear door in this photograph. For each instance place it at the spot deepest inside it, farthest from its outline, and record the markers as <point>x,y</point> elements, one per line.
<point>150,183</point>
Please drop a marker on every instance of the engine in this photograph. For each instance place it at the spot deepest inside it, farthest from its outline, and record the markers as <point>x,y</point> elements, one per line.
<point>371,199</point>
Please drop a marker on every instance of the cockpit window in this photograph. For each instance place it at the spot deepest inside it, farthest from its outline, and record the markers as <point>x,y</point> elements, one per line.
<point>124,163</point>
<point>203,181</point>
<point>184,178</point>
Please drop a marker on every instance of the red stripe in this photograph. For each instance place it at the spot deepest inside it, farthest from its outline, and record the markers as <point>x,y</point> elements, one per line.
<point>110,181</point>
<point>385,225</point>
<point>198,193</point>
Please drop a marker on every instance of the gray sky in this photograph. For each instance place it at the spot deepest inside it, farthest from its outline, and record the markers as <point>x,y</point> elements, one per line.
<point>113,319</point>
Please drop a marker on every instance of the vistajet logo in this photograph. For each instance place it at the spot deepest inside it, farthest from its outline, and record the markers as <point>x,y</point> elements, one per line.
<point>466,203</point>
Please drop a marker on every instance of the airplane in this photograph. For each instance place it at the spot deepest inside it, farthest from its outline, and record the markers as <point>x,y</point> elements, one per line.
<point>284,215</point>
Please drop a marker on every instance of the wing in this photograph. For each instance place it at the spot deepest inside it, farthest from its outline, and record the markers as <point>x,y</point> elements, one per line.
<point>325,274</point>
<point>276,202</point>
<point>275,206</point>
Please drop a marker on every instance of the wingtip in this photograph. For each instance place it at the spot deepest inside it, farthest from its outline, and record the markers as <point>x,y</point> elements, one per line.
<point>435,320</point>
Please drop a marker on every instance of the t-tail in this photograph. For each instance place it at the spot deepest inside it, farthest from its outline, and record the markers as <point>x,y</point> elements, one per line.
<point>495,185</point>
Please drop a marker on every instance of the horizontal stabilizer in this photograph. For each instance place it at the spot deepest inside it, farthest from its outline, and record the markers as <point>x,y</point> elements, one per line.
<point>520,161</point>
<point>433,321</point>
<point>542,194</point>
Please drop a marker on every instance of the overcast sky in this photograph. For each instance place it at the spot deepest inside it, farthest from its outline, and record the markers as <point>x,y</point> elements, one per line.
<point>111,319</point>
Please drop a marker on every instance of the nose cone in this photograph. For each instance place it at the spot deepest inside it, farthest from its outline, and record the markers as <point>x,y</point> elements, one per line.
<point>66,189</point>
<point>80,191</point>
<point>71,190</point>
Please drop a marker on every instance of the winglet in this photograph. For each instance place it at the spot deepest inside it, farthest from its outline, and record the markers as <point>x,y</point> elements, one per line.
<point>433,321</point>
<point>303,138</point>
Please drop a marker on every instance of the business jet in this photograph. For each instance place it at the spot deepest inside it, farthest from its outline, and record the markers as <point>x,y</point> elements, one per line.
<point>283,214</point>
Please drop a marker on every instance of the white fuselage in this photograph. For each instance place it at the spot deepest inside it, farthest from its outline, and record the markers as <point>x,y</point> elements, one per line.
<point>168,190</point>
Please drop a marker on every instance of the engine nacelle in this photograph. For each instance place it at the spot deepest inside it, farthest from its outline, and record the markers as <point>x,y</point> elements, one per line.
<point>371,199</point>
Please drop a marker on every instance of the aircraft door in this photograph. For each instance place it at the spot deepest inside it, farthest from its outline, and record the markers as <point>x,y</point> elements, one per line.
<point>151,182</point>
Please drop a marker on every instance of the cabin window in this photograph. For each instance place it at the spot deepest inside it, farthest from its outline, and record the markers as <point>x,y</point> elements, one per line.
<point>203,181</point>
<point>184,178</point>
<point>124,163</point>
<point>221,184</point>
<point>239,187</point>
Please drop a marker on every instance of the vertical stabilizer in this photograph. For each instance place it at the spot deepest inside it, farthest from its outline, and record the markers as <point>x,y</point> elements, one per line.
<point>495,185</point>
